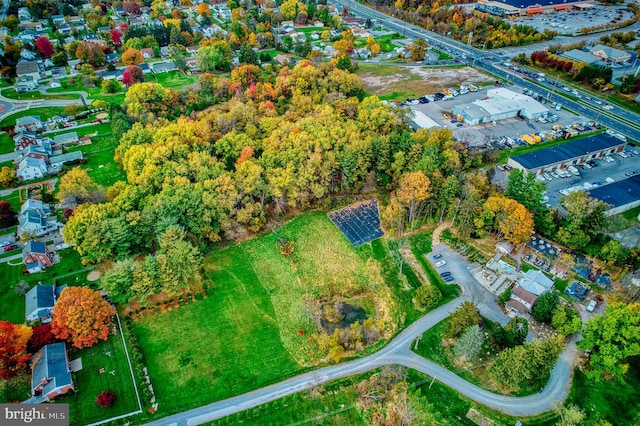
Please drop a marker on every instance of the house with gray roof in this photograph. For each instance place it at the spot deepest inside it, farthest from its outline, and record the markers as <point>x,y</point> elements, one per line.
<point>29,68</point>
<point>28,123</point>
<point>35,218</point>
<point>39,302</point>
<point>532,284</point>
<point>50,374</point>
<point>536,282</point>
<point>610,54</point>
<point>32,168</point>
<point>581,56</point>
<point>66,138</point>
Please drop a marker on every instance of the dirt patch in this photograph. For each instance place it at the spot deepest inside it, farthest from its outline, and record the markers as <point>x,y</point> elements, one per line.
<point>93,275</point>
<point>417,81</point>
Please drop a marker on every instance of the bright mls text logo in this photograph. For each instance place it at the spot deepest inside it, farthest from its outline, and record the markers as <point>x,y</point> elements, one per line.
<point>41,414</point>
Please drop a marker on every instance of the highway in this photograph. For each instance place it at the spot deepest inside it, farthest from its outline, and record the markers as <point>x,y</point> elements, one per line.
<point>618,119</point>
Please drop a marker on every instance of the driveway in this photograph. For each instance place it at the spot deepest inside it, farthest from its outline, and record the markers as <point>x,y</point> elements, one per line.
<point>474,291</point>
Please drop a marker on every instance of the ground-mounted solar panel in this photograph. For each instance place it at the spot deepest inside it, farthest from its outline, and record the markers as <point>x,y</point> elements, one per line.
<point>360,222</point>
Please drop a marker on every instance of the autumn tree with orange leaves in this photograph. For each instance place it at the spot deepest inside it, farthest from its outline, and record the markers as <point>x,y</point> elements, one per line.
<point>81,316</point>
<point>508,217</point>
<point>13,348</point>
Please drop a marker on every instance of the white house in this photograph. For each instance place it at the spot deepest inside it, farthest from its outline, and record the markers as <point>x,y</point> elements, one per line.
<point>32,168</point>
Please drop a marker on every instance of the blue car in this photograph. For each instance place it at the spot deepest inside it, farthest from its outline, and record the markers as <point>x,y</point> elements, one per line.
<point>437,256</point>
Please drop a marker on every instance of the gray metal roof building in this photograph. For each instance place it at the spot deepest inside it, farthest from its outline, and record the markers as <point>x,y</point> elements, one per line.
<point>621,196</point>
<point>569,153</point>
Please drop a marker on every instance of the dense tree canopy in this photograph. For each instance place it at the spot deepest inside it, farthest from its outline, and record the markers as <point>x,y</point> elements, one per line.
<point>269,144</point>
<point>611,339</point>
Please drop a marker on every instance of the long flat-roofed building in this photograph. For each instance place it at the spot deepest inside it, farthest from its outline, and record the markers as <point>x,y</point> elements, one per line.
<point>567,154</point>
<point>620,196</point>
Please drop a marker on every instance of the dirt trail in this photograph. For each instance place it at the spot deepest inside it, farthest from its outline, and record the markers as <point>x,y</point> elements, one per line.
<point>435,238</point>
<point>410,259</point>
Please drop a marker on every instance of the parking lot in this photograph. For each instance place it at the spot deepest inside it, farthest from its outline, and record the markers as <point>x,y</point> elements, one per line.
<point>571,22</point>
<point>481,134</point>
<point>603,172</point>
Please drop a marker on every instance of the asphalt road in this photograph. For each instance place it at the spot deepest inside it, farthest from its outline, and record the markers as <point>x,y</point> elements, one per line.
<point>398,352</point>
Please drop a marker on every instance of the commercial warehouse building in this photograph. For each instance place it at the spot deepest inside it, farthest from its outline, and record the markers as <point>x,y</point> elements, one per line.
<point>567,154</point>
<point>620,196</point>
<point>498,105</point>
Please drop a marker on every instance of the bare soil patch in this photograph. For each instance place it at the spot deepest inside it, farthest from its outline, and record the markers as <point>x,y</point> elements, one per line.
<point>417,81</point>
<point>93,275</point>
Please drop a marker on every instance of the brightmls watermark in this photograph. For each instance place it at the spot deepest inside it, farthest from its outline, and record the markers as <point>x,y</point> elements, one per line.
<point>37,415</point>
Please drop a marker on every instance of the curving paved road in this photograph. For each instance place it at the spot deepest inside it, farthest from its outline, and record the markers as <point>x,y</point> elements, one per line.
<point>398,352</point>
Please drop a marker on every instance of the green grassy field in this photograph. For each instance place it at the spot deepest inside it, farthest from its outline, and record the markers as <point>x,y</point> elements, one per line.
<point>89,382</point>
<point>100,165</point>
<point>94,92</point>
<point>245,334</point>
<point>34,95</point>
<point>617,402</point>
<point>43,112</point>
<point>6,143</point>
<point>174,79</point>
<point>68,271</point>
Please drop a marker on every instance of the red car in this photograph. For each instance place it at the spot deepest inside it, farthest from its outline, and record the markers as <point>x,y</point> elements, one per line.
<point>10,247</point>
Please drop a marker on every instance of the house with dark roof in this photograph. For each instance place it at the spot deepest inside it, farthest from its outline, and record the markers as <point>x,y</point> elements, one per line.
<point>112,58</point>
<point>36,257</point>
<point>160,67</point>
<point>29,68</point>
<point>50,374</point>
<point>23,140</point>
<point>35,218</point>
<point>521,301</point>
<point>39,302</point>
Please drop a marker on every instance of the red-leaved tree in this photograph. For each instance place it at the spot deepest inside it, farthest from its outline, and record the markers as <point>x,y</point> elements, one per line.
<point>132,75</point>
<point>41,336</point>
<point>106,399</point>
<point>13,348</point>
<point>45,47</point>
<point>116,38</point>
<point>81,316</point>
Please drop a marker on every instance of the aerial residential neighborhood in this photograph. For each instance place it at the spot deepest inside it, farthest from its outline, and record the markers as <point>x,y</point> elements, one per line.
<point>320,212</point>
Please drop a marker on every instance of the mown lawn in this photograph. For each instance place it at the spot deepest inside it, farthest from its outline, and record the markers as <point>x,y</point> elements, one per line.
<point>43,112</point>
<point>6,143</point>
<point>174,79</point>
<point>100,165</point>
<point>89,382</point>
<point>245,335</point>
<point>68,271</point>
<point>224,345</point>
<point>36,94</point>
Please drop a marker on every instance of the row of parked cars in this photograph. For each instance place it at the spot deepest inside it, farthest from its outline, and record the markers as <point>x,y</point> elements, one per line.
<point>440,262</point>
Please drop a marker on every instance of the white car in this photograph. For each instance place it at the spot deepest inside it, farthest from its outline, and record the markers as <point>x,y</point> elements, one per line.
<point>440,263</point>
<point>592,306</point>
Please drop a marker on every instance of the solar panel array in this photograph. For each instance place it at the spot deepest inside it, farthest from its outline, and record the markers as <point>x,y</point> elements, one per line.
<point>359,222</point>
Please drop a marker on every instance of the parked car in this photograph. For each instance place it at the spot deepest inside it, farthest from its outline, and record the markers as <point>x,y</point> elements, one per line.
<point>448,279</point>
<point>10,247</point>
<point>445,274</point>
<point>592,306</point>
<point>440,263</point>
<point>437,256</point>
